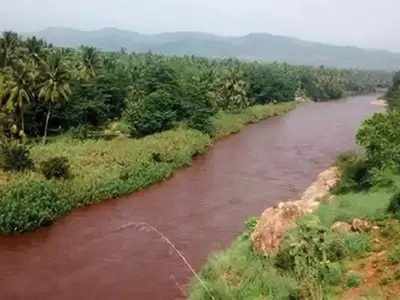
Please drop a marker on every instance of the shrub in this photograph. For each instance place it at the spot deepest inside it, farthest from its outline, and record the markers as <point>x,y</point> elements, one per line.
<point>82,132</point>
<point>331,273</point>
<point>357,243</point>
<point>152,113</point>
<point>394,255</point>
<point>201,120</point>
<point>355,174</point>
<point>304,249</point>
<point>381,139</point>
<point>29,205</point>
<point>353,280</point>
<point>56,167</point>
<point>15,157</point>
<point>394,206</point>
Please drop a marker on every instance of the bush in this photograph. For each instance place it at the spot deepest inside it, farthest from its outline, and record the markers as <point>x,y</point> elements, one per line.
<point>29,205</point>
<point>355,175</point>
<point>357,243</point>
<point>201,120</point>
<point>394,255</point>
<point>15,157</point>
<point>380,136</point>
<point>394,206</point>
<point>82,132</point>
<point>331,273</point>
<point>353,280</point>
<point>304,249</point>
<point>152,113</point>
<point>56,167</point>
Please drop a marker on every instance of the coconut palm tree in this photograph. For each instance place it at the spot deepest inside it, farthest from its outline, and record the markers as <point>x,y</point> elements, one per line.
<point>55,78</point>
<point>18,87</point>
<point>91,62</point>
<point>8,46</point>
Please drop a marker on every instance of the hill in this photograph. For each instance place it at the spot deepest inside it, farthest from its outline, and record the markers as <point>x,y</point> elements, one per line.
<point>254,46</point>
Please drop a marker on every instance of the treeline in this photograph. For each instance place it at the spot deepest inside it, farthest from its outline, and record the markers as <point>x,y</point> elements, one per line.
<point>43,88</point>
<point>393,94</point>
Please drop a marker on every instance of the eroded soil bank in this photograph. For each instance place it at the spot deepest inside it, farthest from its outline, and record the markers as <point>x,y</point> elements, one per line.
<point>90,254</point>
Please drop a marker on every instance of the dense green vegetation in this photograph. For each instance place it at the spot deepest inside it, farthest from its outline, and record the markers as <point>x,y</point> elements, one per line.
<point>86,125</point>
<point>315,261</point>
<point>46,89</point>
<point>255,46</point>
<point>91,170</point>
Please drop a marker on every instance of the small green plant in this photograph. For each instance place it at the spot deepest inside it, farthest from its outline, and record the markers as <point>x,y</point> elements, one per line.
<point>353,280</point>
<point>28,205</point>
<point>251,224</point>
<point>15,157</point>
<point>331,273</point>
<point>357,243</point>
<point>394,255</point>
<point>56,167</point>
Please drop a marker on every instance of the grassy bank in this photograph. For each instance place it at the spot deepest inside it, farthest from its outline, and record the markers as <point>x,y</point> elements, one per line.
<point>107,169</point>
<point>314,262</point>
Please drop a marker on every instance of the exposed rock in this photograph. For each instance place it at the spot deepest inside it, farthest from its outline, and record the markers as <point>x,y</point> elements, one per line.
<point>276,221</point>
<point>341,227</point>
<point>359,225</point>
<point>379,102</point>
<point>328,199</point>
<point>375,229</point>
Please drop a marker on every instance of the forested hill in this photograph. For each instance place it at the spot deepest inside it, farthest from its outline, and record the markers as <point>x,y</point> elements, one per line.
<point>255,46</point>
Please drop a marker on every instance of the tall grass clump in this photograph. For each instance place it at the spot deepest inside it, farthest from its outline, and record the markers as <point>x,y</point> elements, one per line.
<point>28,205</point>
<point>241,274</point>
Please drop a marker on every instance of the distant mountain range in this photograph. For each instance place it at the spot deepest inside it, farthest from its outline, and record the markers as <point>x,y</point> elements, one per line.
<point>254,46</point>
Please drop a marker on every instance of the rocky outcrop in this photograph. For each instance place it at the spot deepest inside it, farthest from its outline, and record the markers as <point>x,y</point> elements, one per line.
<point>341,227</point>
<point>276,221</point>
<point>379,102</point>
<point>357,225</point>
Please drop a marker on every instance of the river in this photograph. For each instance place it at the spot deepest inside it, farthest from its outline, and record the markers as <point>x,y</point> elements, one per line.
<point>92,254</point>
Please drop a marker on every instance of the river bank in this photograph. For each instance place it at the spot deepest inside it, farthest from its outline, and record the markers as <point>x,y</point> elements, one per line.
<point>339,241</point>
<point>201,209</point>
<point>102,169</point>
<point>324,246</point>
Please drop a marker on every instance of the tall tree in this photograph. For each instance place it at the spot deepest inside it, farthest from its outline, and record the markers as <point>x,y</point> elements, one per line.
<point>91,62</point>
<point>8,46</point>
<point>18,87</point>
<point>55,83</point>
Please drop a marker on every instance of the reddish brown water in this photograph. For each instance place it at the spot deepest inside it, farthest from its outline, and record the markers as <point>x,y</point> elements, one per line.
<point>87,255</point>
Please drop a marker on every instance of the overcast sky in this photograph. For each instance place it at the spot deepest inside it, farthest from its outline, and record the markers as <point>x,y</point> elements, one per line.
<point>364,23</point>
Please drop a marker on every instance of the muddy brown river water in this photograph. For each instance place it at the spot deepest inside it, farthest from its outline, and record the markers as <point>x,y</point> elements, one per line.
<point>90,254</point>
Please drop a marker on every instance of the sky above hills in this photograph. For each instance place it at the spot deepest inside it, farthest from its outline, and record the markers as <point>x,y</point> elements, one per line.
<point>363,23</point>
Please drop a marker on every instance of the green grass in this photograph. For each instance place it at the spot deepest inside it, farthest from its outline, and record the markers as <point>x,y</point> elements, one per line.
<point>228,123</point>
<point>363,205</point>
<point>104,169</point>
<point>239,273</point>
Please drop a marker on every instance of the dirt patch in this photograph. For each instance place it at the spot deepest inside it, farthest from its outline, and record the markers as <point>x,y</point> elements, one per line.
<point>380,277</point>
